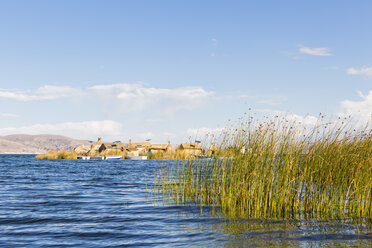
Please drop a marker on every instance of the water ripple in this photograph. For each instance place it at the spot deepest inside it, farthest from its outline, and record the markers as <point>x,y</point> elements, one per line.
<point>62,203</point>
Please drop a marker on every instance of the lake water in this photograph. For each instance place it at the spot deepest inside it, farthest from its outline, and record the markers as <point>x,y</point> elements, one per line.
<point>74,203</point>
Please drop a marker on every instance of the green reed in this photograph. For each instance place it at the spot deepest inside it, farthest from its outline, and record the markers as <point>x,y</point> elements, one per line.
<point>279,169</point>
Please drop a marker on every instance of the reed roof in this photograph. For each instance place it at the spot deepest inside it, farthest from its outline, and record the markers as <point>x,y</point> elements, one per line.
<point>112,145</point>
<point>194,146</point>
<point>213,147</point>
<point>159,146</point>
<point>140,144</point>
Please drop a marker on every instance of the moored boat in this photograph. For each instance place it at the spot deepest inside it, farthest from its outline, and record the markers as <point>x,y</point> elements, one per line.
<point>204,157</point>
<point>97,158</point>
<point>83,157</point>
<point>136,157</point>
<point>113,157</point>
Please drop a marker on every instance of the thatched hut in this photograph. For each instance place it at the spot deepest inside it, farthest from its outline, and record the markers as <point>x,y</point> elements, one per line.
<point>115,147</point>
<point>95,147</point>
<point>82,149</point>
<point>132,152</point>
<point>212,151</point>
<point>142,147</point>
<point>190,149</point>
<point>164,148</point>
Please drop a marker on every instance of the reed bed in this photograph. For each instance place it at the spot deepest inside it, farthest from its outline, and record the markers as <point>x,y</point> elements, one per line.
<point>57,155</point>
<point>167,156</point>
<point>279,169</point>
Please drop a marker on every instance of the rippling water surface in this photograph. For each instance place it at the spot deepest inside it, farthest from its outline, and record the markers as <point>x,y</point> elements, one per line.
<point>73,203</point>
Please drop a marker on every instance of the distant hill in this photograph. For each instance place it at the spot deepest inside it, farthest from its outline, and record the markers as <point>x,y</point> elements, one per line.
<point>35,144</point>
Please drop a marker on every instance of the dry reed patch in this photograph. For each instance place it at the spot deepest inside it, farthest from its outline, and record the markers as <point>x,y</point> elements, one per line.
<point>57,155</point>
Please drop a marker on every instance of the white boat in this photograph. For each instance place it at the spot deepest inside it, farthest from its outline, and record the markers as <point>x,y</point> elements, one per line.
<point>136,157</point>
<point>97,158</point>
<point>113,157</point>
<point>83,157</point>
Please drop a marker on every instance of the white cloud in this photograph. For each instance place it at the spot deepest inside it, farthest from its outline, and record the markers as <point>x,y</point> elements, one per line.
<point>291,117</point>
<point>204,133</point>
<point>364,71</point>
<point>158,137</point>
<point>107,129</point>
<point>114,88</point>
<point>47,92</point>
<point>136,97</point>
<point>320,51</point>
<point>8,115</point>
<point>214,42</point>
<point>146,135</point>
<point>360,111</point>
<point>120,98</point>
<point>53,92</point>
<point>308,120</point>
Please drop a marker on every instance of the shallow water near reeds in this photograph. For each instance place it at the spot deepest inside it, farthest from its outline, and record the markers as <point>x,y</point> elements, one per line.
<point>74,203</point>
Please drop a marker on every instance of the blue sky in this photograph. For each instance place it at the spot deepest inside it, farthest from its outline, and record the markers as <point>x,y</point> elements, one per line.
<point>163,69</point>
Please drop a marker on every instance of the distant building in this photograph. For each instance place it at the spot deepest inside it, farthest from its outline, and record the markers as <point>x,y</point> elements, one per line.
<point>142,147</point>
<point>190,149</point>
<point>165,148</point>
<point>109,147</point>
<point>212,151</point>
<point>82,149</point>
<point>95,147</point>
<point>132,152</point>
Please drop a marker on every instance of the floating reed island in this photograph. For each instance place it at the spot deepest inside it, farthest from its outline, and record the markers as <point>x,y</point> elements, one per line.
<point>133,149</point>
<point>278,169</point>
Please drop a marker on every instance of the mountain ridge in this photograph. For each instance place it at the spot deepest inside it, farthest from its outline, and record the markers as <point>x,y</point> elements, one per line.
<point>36,144</point>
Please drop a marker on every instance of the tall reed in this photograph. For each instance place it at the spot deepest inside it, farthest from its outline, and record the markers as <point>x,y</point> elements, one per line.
<point>278,169</point>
